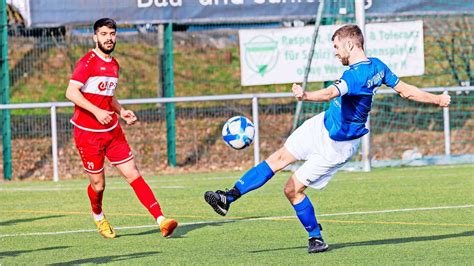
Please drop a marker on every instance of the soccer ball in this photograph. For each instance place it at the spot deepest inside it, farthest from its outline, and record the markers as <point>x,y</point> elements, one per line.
<point>238,132</point>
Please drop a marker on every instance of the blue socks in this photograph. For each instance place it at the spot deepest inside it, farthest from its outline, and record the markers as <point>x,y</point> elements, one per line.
<point>257,177</point>
<point>305,212</point>
<point>253,179</point>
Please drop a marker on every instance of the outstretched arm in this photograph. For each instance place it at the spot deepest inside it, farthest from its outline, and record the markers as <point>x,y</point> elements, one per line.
<point>126,115</point>
<point>74,95</point>
<point>324,95</point>
<point>411,92</point>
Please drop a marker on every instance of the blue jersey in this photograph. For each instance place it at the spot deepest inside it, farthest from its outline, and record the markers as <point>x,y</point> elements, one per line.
<point>347,114</point>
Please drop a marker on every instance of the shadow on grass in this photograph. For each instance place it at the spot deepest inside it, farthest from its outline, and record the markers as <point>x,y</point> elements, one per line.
<point>107,259</point>
<point>392,241</point>
<point>184,229</point>
<point>15,253</point>
<point>26,220</point>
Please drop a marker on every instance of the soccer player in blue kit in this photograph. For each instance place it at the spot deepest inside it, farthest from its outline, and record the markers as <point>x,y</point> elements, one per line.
<point>328,140</point>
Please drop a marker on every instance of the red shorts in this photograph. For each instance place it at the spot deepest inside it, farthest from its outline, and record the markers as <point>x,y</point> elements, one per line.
<point>95,146</point>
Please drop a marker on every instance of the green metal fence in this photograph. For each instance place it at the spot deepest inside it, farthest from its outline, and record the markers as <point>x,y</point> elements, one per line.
<point>5,92</point>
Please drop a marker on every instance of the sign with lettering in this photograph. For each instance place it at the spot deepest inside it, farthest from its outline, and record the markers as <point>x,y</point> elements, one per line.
<point>275,56</point>
<point>45,13</point>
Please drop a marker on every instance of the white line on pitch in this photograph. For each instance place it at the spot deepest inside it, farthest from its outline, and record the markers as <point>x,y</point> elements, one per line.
<point>70,187</point>
<point>241,220</point>
<point>399,210</point>
<point>48,189</point>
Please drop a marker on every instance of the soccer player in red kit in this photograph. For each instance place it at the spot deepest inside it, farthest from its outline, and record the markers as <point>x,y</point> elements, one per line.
<point>97,131</point>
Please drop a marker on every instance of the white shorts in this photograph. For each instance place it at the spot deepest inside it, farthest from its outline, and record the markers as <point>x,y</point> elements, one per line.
<point>324,156</point>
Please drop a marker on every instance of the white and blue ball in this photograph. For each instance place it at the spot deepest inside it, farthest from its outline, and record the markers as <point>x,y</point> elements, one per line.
<point>238,132</point>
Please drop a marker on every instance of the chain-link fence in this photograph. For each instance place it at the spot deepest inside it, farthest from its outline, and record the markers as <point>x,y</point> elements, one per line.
<point>398,126</point>
<point>206,62</point>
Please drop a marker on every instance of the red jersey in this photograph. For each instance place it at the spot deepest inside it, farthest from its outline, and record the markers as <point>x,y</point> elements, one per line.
<point>98,77</point>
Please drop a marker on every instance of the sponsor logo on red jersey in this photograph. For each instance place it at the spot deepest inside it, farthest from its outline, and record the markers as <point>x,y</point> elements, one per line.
<point>107,85</point>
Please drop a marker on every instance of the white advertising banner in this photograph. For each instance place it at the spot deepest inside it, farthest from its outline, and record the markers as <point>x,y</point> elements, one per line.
<point>276,56</point>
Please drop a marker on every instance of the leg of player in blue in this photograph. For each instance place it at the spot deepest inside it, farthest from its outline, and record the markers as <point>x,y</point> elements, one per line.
<point>304,209</point>
<point>254,178</point>
<point>305,212</point>
<point>251,180</point>
<point>322,159</point>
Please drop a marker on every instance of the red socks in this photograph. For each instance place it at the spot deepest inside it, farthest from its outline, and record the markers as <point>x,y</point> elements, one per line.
<point>96,200</point>
<point>146,196</point>
<point>143,192</point>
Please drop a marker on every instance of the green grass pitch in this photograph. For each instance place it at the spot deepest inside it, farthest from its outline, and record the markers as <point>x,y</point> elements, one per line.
<point>416,215</point>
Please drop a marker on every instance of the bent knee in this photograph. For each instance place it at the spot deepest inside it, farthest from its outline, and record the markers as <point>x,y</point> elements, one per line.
<point>131,174</point>
<point>98,186</point>
<point>294,190</point>
<point>289,192</point>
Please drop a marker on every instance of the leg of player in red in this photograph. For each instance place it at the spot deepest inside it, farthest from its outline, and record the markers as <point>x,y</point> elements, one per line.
<point>118,152</point>
<point>93,155</point>
<point>95,191</point>
<point>130,171</point>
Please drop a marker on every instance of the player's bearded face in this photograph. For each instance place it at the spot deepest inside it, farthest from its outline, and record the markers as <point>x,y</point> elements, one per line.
<point>106,39</point>
<point>342,51</point>
<point>107,47</point>
<point>344,57</point>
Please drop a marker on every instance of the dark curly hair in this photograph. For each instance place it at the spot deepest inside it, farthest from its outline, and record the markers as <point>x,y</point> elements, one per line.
<point>108,22</point>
